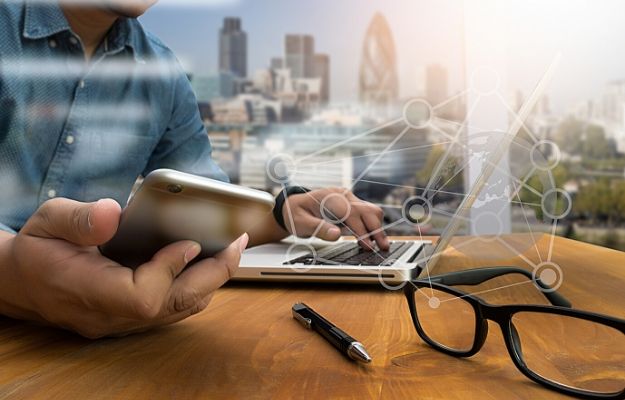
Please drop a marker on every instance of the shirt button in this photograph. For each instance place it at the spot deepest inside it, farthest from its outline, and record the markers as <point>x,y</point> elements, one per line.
<point>52,43</point>
<point>73,41</point>
<point>81,84</point>
<point>51,193</point>
<point>69,139</point>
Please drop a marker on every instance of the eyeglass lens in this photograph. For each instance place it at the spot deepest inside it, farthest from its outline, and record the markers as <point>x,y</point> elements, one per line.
<point>446,319</point>
<point>571,351</point>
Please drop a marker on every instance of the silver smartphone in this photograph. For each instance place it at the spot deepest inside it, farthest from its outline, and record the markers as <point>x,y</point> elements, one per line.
<point>170,206</point>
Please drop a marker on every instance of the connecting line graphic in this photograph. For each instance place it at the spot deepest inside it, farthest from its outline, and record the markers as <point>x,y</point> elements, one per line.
<point>492,290</point>
<point>418,114</point>
<point>452,99</point>
<point>338,160</point>
<point>345,141</point>
<point>516,117</point>
<point>427,270</point>
<point>528,224</point>
<point>382,154</point>
<point>419,188</point>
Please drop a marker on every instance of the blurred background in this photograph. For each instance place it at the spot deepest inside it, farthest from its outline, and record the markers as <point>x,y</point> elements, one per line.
<point>325,86</point>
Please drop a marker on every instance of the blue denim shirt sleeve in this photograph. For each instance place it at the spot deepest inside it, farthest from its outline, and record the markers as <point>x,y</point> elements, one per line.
<point>185,145</point>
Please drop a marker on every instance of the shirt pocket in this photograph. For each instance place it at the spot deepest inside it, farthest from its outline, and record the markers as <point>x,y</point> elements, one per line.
<point>111,161</point>
<point>120,145</point>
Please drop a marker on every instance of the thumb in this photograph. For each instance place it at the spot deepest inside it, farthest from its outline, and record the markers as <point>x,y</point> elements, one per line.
<point>84,224</point>
<point>329,232</point>
<point>311,225</point>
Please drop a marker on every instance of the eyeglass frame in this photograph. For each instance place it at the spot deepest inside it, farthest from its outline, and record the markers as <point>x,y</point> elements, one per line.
<point>502,315</point>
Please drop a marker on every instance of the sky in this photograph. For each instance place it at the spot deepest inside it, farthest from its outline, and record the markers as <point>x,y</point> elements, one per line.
<point>589,35</point>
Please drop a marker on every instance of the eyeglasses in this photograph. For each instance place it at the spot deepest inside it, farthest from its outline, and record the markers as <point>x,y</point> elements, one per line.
<point>574,352</point>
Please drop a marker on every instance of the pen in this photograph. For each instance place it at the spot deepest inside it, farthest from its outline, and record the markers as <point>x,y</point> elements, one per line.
<point>339,339</point>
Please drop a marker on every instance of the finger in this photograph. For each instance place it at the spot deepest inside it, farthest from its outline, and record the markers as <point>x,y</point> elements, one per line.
<point>206,276</point>
<point>373,223</point>
<point>355,225</point>
<point>153,280</point>
<point>371,217</point>
<point>308,225</point>
<point>84,224</point>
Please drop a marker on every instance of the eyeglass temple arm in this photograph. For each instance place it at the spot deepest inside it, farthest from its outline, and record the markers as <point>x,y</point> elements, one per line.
<point>480,275</point>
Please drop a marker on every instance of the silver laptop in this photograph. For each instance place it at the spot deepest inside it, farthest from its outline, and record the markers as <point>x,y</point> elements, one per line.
<point>344,261</point>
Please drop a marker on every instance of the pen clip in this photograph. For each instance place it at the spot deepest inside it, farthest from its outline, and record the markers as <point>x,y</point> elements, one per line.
<point>307,322</point>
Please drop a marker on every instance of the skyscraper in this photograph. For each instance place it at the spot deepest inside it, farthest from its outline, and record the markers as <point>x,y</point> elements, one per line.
<point>378,81</point>
<point>299,55</point>
<point>233,48</point>
<point>276,63</point>
<point>436,84</point>
<point>322,70</point>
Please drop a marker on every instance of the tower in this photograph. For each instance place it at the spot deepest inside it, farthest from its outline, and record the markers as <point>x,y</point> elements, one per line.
<point>378,82</point>
<point>299,55</point>
<point>322,70</point>
<point>233,48</point>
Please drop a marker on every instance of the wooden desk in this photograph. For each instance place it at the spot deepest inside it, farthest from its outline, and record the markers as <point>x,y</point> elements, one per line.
<point>246,345</point>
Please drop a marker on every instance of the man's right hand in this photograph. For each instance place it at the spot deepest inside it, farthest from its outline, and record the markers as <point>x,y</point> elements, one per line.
<point>52,272</point>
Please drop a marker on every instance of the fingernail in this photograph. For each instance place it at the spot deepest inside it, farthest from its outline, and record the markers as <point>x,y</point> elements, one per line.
<point>192,252</point>
<point>243,242</point>
<point>335,230</point>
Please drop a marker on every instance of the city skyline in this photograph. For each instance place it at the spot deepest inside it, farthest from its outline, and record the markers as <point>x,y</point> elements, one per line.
<point>437,26</point>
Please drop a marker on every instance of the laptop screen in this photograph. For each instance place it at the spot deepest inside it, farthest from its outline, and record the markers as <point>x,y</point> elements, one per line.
<point>448,165</point>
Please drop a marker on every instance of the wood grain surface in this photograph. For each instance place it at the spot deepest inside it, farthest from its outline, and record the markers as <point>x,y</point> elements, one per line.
<point>246,344</point>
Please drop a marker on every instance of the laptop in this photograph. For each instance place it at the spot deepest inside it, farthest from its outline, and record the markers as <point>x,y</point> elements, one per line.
<point>345,261</point>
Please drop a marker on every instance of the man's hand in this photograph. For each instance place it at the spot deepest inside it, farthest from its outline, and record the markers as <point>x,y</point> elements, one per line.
<point>321,213</point>
<point>53,272</point>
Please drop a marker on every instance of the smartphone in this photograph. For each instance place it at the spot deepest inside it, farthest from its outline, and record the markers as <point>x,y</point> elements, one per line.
<point>170,206</point>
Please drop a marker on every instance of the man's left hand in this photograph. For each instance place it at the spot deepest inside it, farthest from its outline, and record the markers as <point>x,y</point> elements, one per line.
<point>323,212</point>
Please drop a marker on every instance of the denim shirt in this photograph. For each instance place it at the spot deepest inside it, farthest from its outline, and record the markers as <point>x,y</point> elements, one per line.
<point>86,130</point>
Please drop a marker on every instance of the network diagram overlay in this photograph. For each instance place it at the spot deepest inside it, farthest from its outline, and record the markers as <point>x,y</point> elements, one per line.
<point>531,158</point>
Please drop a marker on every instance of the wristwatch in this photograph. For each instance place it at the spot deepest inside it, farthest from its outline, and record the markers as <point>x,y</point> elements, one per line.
<point>281,198</point>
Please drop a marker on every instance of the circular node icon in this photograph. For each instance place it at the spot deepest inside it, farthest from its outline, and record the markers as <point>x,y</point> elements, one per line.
<point>550,275</point>
<point>485,81</point>
<point>297,250</point>
<point>342,206</point>
<point>488,226</point>
<point>381,276</point>
<point>545,155</point>
<point>434,302</point>
<point>417,210</point>
<point>280,168</point>
<point>417,113</point>
<point>556,203</point>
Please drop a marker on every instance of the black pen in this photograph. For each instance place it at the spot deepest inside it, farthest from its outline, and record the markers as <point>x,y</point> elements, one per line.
<point>339,339</point>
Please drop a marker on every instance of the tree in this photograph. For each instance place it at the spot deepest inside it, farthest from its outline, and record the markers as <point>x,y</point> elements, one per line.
<point>568,135</point>
<point>527,196</point>
<point>596,145</point>
<point>601,201</point>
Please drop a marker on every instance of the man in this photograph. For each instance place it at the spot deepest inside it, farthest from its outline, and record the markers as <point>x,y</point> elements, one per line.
<point>88,102</point>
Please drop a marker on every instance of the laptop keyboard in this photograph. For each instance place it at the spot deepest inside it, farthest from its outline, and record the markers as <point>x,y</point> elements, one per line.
<point>352,254</point>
